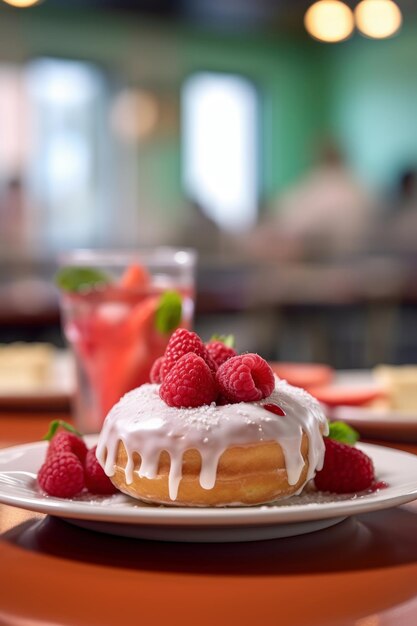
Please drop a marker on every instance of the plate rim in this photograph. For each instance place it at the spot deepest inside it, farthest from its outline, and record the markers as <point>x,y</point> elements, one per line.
<point>203,516</point>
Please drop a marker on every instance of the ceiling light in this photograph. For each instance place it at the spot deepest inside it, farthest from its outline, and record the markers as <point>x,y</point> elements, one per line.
<point>378,18</point>
<point>329,20</point>
<point>22,4</point>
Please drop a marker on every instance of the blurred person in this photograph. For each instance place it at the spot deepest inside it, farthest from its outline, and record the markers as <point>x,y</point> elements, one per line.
<point>328,212</point>
<point>400,229</point>
<point>199,231</point>
<point>12,214</point>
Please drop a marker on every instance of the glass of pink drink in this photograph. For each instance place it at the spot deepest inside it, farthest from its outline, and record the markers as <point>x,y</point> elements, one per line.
<point>119,310</point>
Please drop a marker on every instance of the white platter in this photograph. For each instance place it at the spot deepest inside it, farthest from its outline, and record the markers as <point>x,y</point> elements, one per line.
<point>378,424</point>
<point>373,422</point>
<point>122,515</point>
<point>54,393</point>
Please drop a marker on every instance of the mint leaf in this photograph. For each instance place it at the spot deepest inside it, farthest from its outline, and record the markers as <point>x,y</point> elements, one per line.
<point>343,433</point>
<point>169,312</point>
<point>228,340</point>
<point>80,278</point>
<point>55,424</point>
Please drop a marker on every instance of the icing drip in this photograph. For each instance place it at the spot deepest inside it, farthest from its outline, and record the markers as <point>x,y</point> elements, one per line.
<point>147,426</point>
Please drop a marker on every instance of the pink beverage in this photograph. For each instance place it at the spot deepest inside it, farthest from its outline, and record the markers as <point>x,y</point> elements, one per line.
<point>119,327</point>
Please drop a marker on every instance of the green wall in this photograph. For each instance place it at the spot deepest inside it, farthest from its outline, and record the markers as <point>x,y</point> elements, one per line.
<point>372,90</point>
<point>287,74</point>
<point>363,91</point>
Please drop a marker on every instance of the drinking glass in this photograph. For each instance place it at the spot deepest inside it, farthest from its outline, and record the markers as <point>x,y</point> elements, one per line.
<point>118,328</point>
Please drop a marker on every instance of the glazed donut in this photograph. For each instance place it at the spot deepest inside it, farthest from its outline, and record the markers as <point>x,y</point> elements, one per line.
<point>237,454</point>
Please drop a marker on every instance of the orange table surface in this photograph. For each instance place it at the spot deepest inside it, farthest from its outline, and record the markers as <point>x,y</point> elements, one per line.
<point>361,572</point>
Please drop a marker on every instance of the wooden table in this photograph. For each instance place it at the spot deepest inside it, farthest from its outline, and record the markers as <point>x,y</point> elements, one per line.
<point>361,572</point>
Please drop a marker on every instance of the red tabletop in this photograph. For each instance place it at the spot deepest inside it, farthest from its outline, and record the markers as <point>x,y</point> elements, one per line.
<point>361,572</point>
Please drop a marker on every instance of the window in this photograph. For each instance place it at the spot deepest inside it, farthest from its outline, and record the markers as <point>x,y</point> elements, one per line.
<point>59,172</point>
<point>66,99</point>
<point>220,147</point>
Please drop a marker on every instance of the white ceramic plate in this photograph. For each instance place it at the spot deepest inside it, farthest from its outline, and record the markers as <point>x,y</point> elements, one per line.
<point>371,421</point>
<point>378,424</point>
<point>122,515</point>
<point>55,393</point>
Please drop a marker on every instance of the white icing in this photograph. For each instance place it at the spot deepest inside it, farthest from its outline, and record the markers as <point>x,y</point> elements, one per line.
<point>147,426</point>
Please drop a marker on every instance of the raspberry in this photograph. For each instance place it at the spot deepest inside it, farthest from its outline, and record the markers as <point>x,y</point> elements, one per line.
<point>189,383</point>
<point>274,408</point>
<point>219,352</point>
<point>96,480</point>
<point>67,442</point>
<point>346,469</point>
<point>62,475</point>
<point>245,378</point>
<point>182,342</point>
<point>155,375</point>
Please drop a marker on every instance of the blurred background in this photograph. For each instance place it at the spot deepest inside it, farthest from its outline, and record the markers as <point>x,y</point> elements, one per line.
<point>288,162</point>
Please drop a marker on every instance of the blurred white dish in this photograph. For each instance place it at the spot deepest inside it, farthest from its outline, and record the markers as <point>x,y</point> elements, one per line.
<point>122,515</point>
<point>54,391</point>
<point>378,423</point>
<point>373,421</point>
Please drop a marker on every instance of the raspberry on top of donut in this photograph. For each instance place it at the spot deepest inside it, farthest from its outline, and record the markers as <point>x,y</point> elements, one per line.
<point>193,374</point>
<point>189,383</point>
